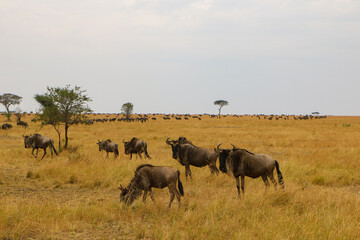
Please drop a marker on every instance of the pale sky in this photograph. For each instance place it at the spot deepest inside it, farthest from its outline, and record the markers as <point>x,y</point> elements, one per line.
<point>262,56</point>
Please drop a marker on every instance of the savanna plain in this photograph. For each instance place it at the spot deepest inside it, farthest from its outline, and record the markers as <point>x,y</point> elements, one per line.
<point>75,195</point>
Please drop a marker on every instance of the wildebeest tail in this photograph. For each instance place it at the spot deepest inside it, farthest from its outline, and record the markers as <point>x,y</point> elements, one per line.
<point>52,146</point>
<point>280,176</point>
<point>146,152</point>
<point>180,186</point>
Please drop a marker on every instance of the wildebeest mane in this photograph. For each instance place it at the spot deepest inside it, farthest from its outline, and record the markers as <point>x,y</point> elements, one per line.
<point>143,165</point>
<point>242,149</point>
<point>133,140</point>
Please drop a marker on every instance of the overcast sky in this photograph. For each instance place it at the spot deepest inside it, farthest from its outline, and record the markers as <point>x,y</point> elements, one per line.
<point>262,56</point>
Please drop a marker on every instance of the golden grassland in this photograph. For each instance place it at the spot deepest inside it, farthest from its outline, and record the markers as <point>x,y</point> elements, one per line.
<point>75,196</point>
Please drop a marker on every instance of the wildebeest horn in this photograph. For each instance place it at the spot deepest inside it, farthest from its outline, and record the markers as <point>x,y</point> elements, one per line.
<point>124,141</point>
<point>218,147</point>
<point>167,141</point>
<point>233,146</point>
<point>121,187</point>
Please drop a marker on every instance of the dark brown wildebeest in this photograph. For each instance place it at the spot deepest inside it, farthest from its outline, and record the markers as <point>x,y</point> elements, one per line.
<point>148,176</point>
<point>6,126</point>
<point>136,146</point>
<point>37,141</point>
<point>22,123</point>
<point>188,154</point>
<point>238,162</point>
<point>108,146</point>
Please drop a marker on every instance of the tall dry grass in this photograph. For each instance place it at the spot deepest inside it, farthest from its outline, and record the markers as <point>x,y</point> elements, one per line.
<point>75,195</point>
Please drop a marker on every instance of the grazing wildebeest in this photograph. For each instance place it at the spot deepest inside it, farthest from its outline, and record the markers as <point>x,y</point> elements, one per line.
<point>37,141</point>
<point>22,123</point>
<point>6,126</point>
<point>188,154</point>
<point>238,162</point>
<point>136,146</point>
<point>108,146</point>
<point>148,176</point>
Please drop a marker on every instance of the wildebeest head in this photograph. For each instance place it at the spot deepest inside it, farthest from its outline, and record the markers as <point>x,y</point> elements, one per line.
<point>30,141</point>
<point>132,191</point>
<point>223,155</point>
<point>124,192</point>
<point>26,141</point>
<point>127,146</point>
<point>174,146</point>
<point>103,144</point>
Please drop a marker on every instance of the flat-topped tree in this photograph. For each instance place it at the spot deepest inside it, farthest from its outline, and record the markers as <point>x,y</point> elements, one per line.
<point>8,99</point>
<point>64,106</point>
<point>221,103</point>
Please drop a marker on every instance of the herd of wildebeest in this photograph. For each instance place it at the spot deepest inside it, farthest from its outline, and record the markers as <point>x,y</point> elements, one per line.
<point>235,162</point>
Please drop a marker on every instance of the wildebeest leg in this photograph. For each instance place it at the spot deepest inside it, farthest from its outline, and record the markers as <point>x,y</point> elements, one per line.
<point>44,154</point>
<point>107,154</point>
<point>271,176</point>
<point>151,195</point>
<point>32,152</point>
<point>213,168</point>
<point>188,171</point>
<point>145,195</point>
<point>172,195</point>
<point>266,182</point>
<point>177,194</point>
<point>130,156</point>
<point>51,151</point>
<point>238,185</point>
<point>243,184</point>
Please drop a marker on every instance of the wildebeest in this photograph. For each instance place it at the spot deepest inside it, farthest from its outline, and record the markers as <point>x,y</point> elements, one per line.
<point>6,126</point>
<point>238,162</point>
<point>22,123</point>
<point>108,146</point>
<point>37,141</point>
<point>136,146</point>
<point>188,154</point>
<point>148,176</point>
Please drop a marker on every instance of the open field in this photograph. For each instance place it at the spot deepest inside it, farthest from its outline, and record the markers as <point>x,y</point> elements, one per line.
<point>75,195</point>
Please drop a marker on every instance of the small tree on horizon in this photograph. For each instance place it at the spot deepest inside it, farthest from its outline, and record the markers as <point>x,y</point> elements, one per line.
<point>8,99</point>
<point>221,103</point>
<point>127,109</point>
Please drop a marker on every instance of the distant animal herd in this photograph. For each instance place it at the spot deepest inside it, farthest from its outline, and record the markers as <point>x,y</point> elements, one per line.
<point>235,162</point>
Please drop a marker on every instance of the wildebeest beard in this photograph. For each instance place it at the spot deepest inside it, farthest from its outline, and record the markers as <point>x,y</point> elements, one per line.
<point>178,154</point>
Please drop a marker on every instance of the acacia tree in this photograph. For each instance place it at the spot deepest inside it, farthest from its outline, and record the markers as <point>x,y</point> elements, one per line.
<point>64,106</point>
<point>49,114</point>
<point>127,109</point>
<point>8,99</point>
<point>221,103</point>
